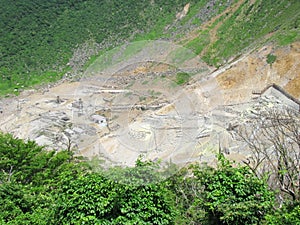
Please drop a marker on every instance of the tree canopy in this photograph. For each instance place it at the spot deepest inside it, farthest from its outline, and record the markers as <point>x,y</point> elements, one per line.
<point>49,187</point>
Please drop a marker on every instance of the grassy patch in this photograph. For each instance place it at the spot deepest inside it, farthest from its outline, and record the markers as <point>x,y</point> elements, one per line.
<point>180,55</point>
<point>251,24</point>
<point>145,82</point>
<point>18,82</point>
<point>200,42</point>
<point>288,38</point>
<point>182,78</point>
<point>271,59</point>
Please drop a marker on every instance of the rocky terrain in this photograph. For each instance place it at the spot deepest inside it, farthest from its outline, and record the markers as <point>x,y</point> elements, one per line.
<point>129,103</point>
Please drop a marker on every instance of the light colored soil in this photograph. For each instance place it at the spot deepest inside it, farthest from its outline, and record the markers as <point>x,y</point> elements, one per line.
<point>253,73</point>
<point>191,125</point>
<point>293,86</point>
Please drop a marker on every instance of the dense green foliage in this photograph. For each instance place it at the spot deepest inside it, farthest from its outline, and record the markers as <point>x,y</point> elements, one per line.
<point>95,199</point>
<point>233,195</point>
<point>46,187</point>
<point>28,176</point>
<point>289,214</point>
<point>38,37</point>
<point>223,195</point>
<point>27,163</point>
<point>131,195</point>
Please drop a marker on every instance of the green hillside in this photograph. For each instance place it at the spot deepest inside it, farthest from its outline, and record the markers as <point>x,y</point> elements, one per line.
<point>38,38</point>
<point>251,24</point>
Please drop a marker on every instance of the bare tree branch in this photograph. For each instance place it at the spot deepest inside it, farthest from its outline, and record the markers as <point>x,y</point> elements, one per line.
<point>273,137</point>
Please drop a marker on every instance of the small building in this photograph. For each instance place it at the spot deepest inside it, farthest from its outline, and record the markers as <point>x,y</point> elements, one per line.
<point>101,120</point>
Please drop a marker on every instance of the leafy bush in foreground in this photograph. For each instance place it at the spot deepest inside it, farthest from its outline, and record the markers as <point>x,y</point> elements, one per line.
<point>233,195</point>
<point>97,199</point>
<point>45,187</point>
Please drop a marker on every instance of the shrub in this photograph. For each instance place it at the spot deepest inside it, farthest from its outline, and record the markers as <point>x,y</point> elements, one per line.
<point>271,59</point>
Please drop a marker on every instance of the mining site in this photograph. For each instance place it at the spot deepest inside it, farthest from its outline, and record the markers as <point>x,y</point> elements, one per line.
<point>130,104</point>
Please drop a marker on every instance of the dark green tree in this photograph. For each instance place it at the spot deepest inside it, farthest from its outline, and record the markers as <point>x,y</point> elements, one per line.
<point>271,59</point>
<point>29,178</point>
<point>102,198</point>
<point>232,194</point>
<point>288,214</point>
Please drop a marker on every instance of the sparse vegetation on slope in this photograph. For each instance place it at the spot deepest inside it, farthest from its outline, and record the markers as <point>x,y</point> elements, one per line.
<point>250,24</point>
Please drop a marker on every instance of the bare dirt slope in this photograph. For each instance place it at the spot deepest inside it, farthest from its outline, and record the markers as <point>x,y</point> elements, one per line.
<point>253,73</point>
<point>143,111</point>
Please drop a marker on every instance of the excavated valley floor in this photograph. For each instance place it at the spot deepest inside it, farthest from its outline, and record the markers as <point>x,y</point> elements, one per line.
<point>138,109</point>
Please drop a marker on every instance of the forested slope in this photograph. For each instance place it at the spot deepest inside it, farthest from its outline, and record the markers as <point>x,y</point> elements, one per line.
<point>38,38</point>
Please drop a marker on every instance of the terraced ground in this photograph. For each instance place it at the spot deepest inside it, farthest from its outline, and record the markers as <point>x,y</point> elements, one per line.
<point>165,92</point>
<point>147,108</point>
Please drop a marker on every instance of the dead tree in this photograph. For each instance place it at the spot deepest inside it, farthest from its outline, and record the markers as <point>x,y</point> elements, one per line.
<point>70,146</point>
<point>273,137</point>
